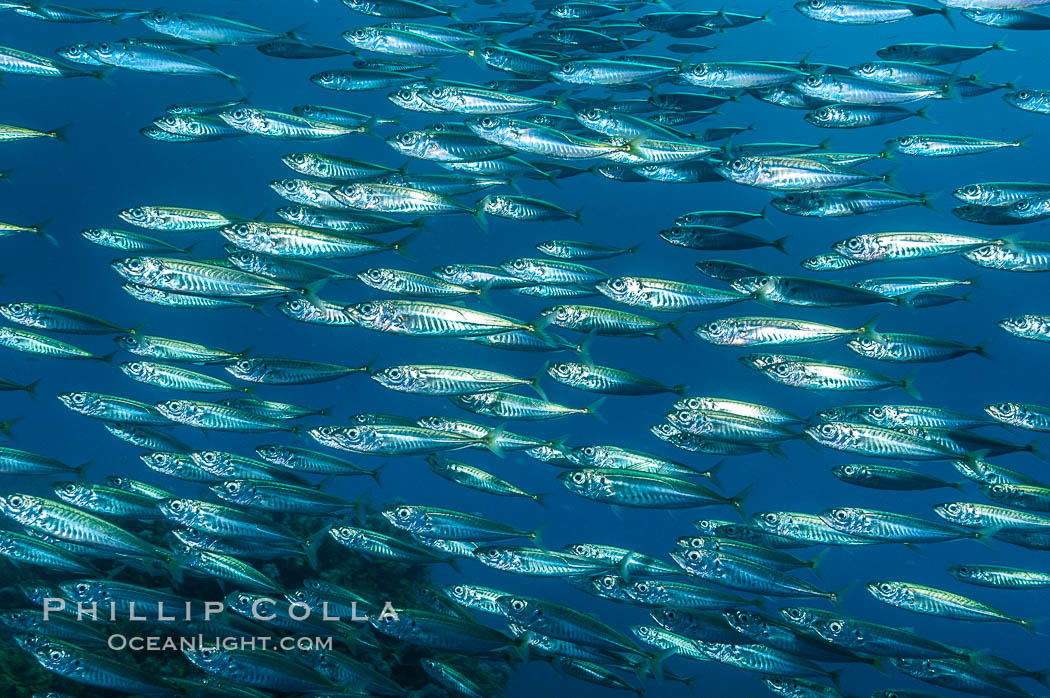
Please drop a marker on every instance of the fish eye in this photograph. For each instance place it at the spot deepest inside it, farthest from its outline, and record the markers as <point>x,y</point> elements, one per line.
<point>360,33</point>
<point>589,451</point>
<point>459,590</point>
<point>568,68</point>
<point>835,626</point>
<point>693,555</point>
<point>963,569</point>
<point>176,505</point>
<point>840,515</point>
<point>15,500</point>
<point>579,478</point>
<point>403,513</point>
<point>971,190</point>
<point>517,605</point>
<point>233,487</point>
<point>739,164</point>
<point>812,79</point>
<point>487,122</point>
<point>770,518</point>
<point>885,587</point>
<point>1024,94</point>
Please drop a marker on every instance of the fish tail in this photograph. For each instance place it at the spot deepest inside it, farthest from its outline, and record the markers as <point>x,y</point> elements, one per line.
<point>984,536</point>
<point>312,546</point>
<point>584,348</point>
<point>537,537</point>
<point>656,662</point>
<point>889,178</point>
<point>1000,45</point>
<point>577,215</point>
<point>712,472</point>
<point>368,128</point>
<point>780,244</point>
<point>5,427</point>
<point>1022,142</point>
<point>31,388</point>
<point>816,562</point>
<point>309,292</point>
<point>923,113</point>
<point>836,596</point>
<point>534,382</point>
<point>926,199</point>
<point>491,441</point>
<point>1033,448</point>
<point>624,566</point>
<point>681,389</point>
<point>106,358</point>
<point>634,146</point>
<point>172,564</point>
<point>540,498</point>
<point>738,500</point>
<point>561,101</point>
<point>908,385</point>
<point>676,327</point>
<point>943,12</point>
<point>868,328</point>
<point>539,326</point>
<point>521,647</point>
<point>592,410</point>
<point>401,246</point>
<point>479,216</point>
<point>1030,624</point>
<point>982,349</point>
<point>39,230</point>
<point>59,134</point>
<point>294,33</point>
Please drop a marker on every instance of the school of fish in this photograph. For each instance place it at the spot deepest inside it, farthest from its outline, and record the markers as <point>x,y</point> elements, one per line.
<point>624,93</point>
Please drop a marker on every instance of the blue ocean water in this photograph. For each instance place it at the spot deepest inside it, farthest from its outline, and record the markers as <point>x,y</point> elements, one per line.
<point>106,166</point>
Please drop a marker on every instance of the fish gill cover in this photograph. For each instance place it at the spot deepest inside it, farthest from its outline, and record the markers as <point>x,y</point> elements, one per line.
<point>393,347</point>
